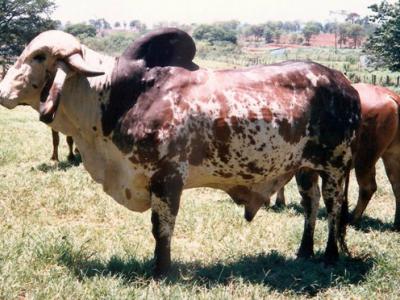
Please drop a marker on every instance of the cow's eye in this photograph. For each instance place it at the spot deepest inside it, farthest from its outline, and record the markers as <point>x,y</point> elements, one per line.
<point>39,57</point>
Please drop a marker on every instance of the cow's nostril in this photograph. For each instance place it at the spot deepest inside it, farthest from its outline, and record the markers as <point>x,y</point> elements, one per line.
<point>35,86</point>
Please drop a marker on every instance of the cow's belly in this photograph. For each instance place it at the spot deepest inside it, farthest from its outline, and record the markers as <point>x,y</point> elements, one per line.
<point>249,164</point>
<point>120,180</point>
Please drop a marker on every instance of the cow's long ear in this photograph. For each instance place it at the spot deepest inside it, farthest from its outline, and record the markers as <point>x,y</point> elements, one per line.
<point>164,47</point>
<point>51,93</point>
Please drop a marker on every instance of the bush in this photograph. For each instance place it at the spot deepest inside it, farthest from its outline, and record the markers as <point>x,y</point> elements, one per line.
<point>81,30</point>
<point>214,33</point>
<point>112,44</point>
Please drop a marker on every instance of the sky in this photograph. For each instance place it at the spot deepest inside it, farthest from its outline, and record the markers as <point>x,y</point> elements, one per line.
<point>206,11</point>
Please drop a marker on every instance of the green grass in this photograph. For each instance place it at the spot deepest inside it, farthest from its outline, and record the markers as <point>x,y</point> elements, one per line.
<point>61,237</point>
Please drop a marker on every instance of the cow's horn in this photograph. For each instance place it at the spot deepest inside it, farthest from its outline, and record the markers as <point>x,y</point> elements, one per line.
<point>76,62</point>
<point>49,103</point>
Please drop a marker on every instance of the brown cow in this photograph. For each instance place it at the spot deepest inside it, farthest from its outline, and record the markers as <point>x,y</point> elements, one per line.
<point>378,137</point>
<point>151,124</point>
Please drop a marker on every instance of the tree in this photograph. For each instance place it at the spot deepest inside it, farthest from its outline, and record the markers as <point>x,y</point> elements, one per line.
<point>330,27</point>
<point>353,18</point>
<point>384,43</point>
<point>291,26</point>
<point>277,36</point>
<point>356,33</point>
<point>268,35</point>
<point>214,33</point>
<point>81,30</point>
<point>232,25</point>
<point>310,29</point>
<point>100,24</point>
<point>117,24</point>
<point>342,34</point>
<point>20,22</point>
<point>257,31</point>
<point>137,26</point>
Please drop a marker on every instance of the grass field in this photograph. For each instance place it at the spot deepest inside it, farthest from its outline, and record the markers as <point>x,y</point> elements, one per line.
<point>61,237</point>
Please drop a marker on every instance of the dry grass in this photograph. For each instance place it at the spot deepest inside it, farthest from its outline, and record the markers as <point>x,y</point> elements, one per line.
<point>62,237</point>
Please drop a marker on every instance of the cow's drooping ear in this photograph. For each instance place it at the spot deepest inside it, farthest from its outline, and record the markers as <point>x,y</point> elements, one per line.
<point>164,47</point>
<point>51,93</point>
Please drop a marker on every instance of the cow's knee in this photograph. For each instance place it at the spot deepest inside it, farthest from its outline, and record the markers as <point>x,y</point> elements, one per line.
<point>367,189</point>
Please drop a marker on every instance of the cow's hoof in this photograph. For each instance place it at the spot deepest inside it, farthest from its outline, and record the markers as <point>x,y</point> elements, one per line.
<point>331,257</point>
<point>71,158</point>
<point>305,253</point>
<point>249,216</point>
<point>329,261</point>
<point>396,227</point>
<point>159,274</point>
<point>354,221</point>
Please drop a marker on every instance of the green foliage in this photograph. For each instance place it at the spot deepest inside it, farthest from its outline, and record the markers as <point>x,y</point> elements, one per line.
<point>232,25</point>
<point>268,35</point>
<point>20,22</point>
<point>81,30</point>
<point>355,32</point>
<point>214,33</point>
<point>342,34</point>
<point>310,29</point>
<point>137,26</point>
<point>384,43</point>
<point>100,24</point>
<point>112,44</point>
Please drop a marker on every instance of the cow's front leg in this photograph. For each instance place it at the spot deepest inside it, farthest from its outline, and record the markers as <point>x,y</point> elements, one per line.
<point>166,188</point>
<point>56,142</point>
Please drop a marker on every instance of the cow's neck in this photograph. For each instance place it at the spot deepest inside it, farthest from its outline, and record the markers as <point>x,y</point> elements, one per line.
<point>79,113</point>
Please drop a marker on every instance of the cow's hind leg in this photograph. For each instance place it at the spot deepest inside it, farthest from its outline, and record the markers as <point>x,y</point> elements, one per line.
<point>392,166</point>
<point>367,187</point>
<point>166,188</point>
<point>56,142</point>
<point>280,198</point>
<point>307,181</point>
<point>332,193</point>
<point>70,143</point>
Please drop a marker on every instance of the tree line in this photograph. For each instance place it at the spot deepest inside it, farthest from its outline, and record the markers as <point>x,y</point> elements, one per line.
<point>21,20</point>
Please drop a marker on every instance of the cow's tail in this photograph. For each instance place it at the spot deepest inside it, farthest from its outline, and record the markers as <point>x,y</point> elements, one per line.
<point>344,214</point>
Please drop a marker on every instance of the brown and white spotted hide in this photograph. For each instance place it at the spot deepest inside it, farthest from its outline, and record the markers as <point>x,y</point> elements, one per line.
<point>155,124</point>
<point>377,137</point>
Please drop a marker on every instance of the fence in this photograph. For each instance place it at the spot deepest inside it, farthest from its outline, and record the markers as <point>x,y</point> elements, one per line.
<point>354,74</point>
<point>383,80</point>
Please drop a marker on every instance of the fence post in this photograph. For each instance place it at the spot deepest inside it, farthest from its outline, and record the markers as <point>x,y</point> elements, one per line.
<point>398,81</point>
<point>373,79</point>
<point>387,80</point>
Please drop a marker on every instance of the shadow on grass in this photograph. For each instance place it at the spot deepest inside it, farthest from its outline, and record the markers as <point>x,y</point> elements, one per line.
<point>366,224</point>
<point>60,166</point>
<point>298,209</point>
<point>306,277</point>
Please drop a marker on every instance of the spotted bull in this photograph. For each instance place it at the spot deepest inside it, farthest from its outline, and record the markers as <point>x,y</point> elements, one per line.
<point>377,137</point>
<point>150,123</point>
